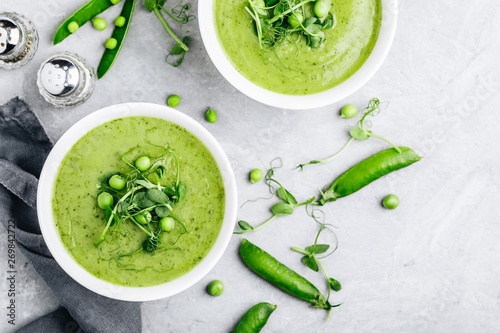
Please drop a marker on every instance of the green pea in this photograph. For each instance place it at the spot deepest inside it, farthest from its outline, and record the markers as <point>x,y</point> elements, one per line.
<point>173,100</point>
<point>114,2</point>
<point>211,115</point>
<point>120,21</point>
<point>143,163</point>
<point>117,182</point>
<point>295,19</point>
<point>73,27</point>
<point>390,201</point>
<point>99,23</point>
<point>348,111</point>
<point>255,175</point>
<point>215,288</point>
<point>111,43</point>
<point>143,218</point>
<point>167,224</point>
<point>321,8</point>
<point>104,200</point>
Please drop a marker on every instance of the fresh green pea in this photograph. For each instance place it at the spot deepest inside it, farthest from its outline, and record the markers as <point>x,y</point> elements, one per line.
<point>348,111</point>
<point>104,200</point>
<point>117,182</point>
<point>390,201</point>
<point>211,115</point>
<point>99,23</point>
<point>255,175</point>
<point>274,272</point>
<point>114,2</point>
<point>73,27</point>
<point>215,288</point>
<point>143,163</point>
<point>143,218</point>
<point>254,320</point>
<point>120,21</point>
<point>321,8</point>
<point>111,43</point>
<point>173,100</point>
<point>295,19</point>
<point>367,171</point>
<point>167,224</point>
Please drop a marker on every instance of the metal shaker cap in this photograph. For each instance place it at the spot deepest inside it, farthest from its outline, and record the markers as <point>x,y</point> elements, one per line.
<point>10,35</point>
<point>60,76</point>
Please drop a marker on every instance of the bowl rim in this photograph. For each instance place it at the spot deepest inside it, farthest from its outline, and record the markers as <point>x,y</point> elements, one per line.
<point>51,234</point>
<point>215,50</point>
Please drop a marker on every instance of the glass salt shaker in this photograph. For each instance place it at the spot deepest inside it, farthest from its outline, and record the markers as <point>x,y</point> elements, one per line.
<point>18,40</point>
<point>66,79</point>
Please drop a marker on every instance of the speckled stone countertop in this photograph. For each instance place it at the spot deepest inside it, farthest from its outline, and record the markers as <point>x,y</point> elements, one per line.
<point>432,265</point>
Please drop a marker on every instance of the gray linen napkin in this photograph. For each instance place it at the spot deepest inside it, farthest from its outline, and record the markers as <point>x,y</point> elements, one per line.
<point>24,147</point>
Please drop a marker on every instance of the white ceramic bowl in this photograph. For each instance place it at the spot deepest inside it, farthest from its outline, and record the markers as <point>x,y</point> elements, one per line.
<point>51,234</point>
<point>208,30</point>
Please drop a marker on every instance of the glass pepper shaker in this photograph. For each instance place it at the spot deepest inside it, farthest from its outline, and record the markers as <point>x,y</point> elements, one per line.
<point>66,79</point>
<point>18,40</point>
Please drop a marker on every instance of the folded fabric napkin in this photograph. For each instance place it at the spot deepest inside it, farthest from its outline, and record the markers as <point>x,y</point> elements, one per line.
<point>24,146</point>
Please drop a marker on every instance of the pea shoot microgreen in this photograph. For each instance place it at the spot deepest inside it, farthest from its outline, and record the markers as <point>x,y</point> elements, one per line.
<point>179,14</point>
<point>151,192</point>
<point>275,20</point>
<point>283,208</point>
<point>360,132</point>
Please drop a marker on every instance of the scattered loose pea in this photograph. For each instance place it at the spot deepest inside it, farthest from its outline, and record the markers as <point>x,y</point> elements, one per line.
<point>255,175</point>
<point>167,224</point>
<point>348,111</point>
<point>173,100</point>
<point>143,163</point>
<point>111,43</point>
<point>215,288</point>
<point>390,201</point>
<point>99,23</point>
<point>211,115</point>
<point>73,27</point>
<point>117,182</point>
<point>104,200</point>
<point>120,21</point>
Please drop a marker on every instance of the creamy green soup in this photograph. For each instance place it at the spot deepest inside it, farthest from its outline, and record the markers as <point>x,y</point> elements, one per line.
<point>81,222</point>
<point>293,68</point>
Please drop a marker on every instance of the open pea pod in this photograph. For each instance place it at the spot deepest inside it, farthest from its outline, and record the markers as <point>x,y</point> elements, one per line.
<point>81,16</point>
<point>119,33</point>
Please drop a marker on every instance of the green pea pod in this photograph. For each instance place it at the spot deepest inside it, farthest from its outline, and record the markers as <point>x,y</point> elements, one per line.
<point>119,33</point>
<point>255,319</point>
<point>274,272</point>
<point>81,16</point>
<point>367,171</point>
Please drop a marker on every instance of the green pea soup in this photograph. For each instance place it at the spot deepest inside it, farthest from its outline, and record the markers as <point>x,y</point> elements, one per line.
<point>80,222</point>
<point>293,68</point>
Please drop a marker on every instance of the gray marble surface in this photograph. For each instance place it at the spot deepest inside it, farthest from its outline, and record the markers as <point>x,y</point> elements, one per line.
<point>432,265</point>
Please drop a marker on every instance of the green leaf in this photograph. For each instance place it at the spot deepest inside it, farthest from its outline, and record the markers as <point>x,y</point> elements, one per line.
<point>244,225</point>
<point>121,207</point>
<point>163,211</point>
<point>286,196</point>
<point>160,171</point>
<point>170,191</point>
<point>318,248</point>
<point>142,201</point>
<point>270,3</point>
<point>334,284</point>
<point>150,4</point>
<point>310,262</point>
<point>156,196</point>
<point>181,191</point>
<point>281,209</point>
<point>359,134</point>
<point>328,22</point>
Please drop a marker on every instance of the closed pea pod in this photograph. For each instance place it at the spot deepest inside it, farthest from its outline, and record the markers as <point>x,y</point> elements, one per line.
<point>367,171</point>
<point>274,272</point>
<point>255,319</point>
